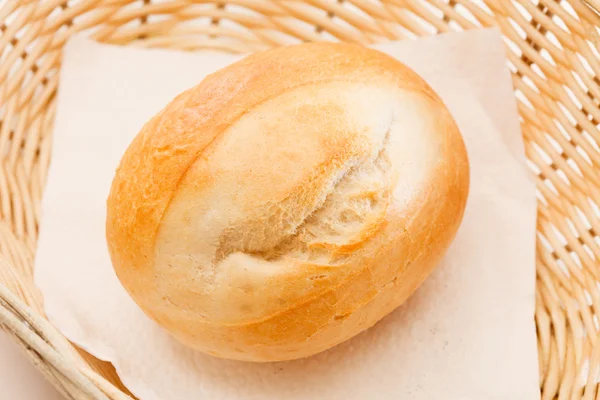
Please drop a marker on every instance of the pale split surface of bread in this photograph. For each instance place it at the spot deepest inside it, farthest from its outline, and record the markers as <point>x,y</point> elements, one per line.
<point>287,202</point>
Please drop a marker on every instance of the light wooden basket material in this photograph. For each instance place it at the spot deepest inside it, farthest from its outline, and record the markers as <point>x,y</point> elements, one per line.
<point>553,51</point>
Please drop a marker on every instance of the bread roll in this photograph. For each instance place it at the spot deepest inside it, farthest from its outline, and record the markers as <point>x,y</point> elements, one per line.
<point>287,202</point>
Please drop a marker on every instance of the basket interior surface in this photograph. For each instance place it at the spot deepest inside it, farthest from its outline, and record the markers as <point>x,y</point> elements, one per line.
<point>553,52</point>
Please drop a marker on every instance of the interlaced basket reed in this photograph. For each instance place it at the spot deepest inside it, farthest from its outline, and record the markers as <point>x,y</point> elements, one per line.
<point>553,52</point>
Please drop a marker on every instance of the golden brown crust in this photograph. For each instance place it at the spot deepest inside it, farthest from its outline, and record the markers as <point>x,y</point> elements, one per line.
<point>288,201</point>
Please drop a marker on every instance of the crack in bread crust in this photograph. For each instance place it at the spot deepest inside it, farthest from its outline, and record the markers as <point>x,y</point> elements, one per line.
<point>317,238</point>
<point>232,122</point>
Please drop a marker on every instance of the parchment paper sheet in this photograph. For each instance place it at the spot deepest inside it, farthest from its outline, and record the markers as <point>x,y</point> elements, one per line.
<point>468,332</point>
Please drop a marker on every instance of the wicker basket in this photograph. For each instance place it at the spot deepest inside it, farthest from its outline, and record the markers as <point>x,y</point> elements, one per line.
<point>553,49</point>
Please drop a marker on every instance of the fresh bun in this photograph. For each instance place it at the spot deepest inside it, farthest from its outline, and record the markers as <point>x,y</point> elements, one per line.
<point>287,202</point>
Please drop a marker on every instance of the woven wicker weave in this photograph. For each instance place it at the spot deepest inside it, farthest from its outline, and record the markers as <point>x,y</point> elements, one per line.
<point>553,49</point>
